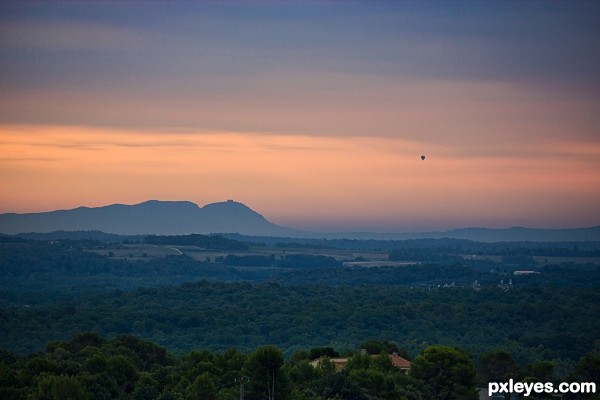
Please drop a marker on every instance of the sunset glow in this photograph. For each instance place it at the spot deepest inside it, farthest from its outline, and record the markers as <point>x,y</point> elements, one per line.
<point>313,126</point>
<point>355,182</point>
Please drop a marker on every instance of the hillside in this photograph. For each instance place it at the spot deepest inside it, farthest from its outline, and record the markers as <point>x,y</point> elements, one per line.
<point>150,217</point>
<point>184,217</point>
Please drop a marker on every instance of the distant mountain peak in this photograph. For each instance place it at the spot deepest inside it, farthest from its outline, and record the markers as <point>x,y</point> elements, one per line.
<point>148,217</point>
<point>185,217</point>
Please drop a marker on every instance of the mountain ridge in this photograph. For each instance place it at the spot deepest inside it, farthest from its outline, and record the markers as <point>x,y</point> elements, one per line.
<point>148,217</point>
<point>185,217</point>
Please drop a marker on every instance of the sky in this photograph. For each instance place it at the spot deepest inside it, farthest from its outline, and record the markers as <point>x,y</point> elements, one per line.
<point>314,114</point>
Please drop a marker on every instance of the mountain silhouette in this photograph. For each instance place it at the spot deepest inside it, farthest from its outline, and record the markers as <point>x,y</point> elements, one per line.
<point>149,217</point>
<point>184,217</point>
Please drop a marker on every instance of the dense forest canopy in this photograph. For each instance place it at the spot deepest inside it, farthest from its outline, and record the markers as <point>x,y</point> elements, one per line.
<point>188,301</point>
<point>533,323</point>
<point>89,366</point>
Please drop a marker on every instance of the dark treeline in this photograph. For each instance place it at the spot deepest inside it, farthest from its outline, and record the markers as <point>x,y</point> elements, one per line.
<point>412,275</point>
<point>445,246</point>
<point>448,245</point>
<point>298,261</point>
<point>81,235</point>
<point>37,265</point>
<point>425,275</point>
<point>553,323</point>
<point>472,311</point>
<point>50,290</point>
<point>91,367</point>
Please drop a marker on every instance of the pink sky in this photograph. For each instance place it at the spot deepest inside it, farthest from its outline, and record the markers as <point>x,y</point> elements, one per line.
<point>311,114</point>
<point>303,181</point>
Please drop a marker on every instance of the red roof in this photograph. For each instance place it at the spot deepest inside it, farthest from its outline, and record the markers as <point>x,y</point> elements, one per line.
<point>399,362</point>
<point>340,362</point>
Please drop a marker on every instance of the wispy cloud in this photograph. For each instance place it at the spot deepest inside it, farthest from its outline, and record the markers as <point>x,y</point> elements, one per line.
<point>320,108</point>
<point>67,36</point>
<point>381,180</point>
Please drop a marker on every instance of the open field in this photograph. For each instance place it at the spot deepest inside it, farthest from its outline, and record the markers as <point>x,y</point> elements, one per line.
<point>136,251</point>
<point>350,258</point>
<point>147,251</point>
<point>540,260</point>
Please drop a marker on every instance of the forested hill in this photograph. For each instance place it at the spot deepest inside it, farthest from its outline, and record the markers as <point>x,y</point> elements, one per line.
<point>150,217</point>
<point>185,217</point>
<point>201,297</point>
<point>51,290</point>
<point>534,323</point>
<point>89,366</point>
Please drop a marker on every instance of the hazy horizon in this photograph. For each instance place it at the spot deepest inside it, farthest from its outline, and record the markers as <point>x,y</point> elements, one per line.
<point>314,114</point>
<point>326,229</point>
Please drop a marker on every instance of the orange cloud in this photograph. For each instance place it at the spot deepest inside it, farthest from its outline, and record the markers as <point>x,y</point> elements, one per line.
<point>300,180</point>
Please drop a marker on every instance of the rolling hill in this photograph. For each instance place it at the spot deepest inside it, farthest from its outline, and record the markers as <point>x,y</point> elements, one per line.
<point>150,217</point>
<point>184,217</point>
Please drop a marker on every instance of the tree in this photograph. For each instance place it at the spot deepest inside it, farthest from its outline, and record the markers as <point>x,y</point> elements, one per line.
<point>337,385</point>
<point>497,366</point>
<point>85,339</point>
<point>148,353</point>
<point>267,379</point>
<point>61,387</point>
<point>372,380</point>
<point>303,373</point>
<point>540,371</point>
<point>203,388</point>
<point>446,373</point>
<point>378,347</point>
<point>588,367</point>
<point>124,371</point>
<point>95,363</point>
<point>146,387</point>
<point>317,352</point>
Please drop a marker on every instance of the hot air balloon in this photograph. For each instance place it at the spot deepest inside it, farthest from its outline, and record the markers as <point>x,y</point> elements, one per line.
<point>422,157</point>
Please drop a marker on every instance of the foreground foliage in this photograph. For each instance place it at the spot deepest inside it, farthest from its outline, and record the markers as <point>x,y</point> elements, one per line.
<point>541,328</point>
<point>549,323</point>
<point>90,367</point>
